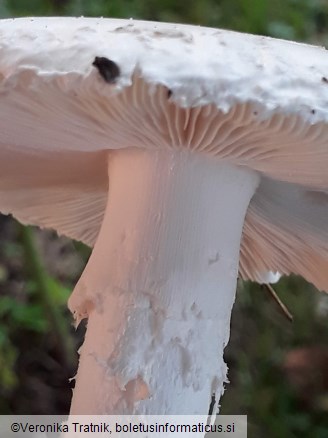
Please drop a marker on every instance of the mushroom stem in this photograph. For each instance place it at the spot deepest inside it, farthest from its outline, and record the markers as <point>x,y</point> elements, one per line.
<point>160,284</point>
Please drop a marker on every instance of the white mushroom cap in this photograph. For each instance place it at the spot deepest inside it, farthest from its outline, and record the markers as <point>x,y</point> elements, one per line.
<point>251,101</point>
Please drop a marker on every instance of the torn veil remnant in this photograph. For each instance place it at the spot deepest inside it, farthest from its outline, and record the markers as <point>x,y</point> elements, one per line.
<point>178,191</point>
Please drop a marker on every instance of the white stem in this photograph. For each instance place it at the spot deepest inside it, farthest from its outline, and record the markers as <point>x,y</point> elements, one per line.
<point>160,284</point>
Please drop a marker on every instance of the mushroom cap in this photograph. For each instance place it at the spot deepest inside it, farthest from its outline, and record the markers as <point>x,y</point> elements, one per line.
<point>250,100</point>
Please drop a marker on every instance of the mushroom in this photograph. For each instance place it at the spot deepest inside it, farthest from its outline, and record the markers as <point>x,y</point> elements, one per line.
<point>185,156</point>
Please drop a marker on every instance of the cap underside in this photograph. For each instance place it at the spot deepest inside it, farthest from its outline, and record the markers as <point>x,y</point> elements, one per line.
<point>53,170</point>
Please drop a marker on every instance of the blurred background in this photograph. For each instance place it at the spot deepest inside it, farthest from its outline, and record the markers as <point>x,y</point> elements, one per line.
<point>278,370</point>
